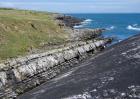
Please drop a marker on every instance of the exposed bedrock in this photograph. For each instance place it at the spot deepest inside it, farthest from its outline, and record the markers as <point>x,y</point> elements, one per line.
<point>112,74</point>
<point>22,74</point>
<point>18,75</point>
<point>85,34</point>
<point>69,21</point>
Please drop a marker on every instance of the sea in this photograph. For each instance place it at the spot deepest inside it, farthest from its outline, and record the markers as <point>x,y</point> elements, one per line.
<point>118,26</point>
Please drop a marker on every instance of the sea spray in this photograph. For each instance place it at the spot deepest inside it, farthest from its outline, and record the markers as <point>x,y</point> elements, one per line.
<point>84,23</point>
<point>130,27</point>
<point>110,28</point>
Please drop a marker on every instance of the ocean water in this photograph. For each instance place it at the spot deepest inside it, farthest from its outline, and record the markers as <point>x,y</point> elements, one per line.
<point>119,26</point>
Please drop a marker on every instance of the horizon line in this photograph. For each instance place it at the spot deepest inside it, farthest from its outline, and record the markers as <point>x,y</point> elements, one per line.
<point>74,12</point>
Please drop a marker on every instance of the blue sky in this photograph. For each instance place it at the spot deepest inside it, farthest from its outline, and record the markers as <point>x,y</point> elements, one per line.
<point>76,6</point>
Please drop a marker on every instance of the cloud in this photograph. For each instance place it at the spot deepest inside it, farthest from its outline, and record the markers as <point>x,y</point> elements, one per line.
<point>70,6</point>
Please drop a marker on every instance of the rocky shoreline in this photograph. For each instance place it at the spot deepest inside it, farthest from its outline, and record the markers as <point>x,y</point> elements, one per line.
<point>69,21</point>
<point>18,75</point>
<point>111,74</point>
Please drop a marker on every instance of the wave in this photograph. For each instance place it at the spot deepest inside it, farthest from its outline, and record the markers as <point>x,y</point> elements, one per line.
<point>130,27</point>
<point>84,23</point>
<point>135,24</point>
<point>110,28</point>
<point>87,21</point>
<point>78,26</point>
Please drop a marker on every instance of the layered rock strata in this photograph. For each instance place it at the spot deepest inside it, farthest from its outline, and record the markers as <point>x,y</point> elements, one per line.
<point>22,74</point>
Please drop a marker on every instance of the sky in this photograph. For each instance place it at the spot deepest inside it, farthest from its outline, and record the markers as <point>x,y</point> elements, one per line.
<point>76,6</point>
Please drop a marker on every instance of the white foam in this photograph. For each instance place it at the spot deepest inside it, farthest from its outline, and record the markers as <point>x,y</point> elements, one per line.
<point>111,28</point>
<point>88,20</point>
<point>85,22</point>
<point>129,27</point>
<point>135,24</point>
<point>78,26</point>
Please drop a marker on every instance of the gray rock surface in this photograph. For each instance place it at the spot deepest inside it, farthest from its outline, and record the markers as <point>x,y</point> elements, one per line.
<point>21,74</point>
<point>84,34</point>
<point>112,74</point>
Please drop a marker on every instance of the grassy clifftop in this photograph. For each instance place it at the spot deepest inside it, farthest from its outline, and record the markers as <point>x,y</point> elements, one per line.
<point>21,30</point>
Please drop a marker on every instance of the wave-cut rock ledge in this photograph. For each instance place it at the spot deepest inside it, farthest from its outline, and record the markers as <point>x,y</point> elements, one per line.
<point>22,74</point>
<point>112,74</point>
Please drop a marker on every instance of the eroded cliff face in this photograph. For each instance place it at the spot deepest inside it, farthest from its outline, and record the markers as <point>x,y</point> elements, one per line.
<point>22,74</point>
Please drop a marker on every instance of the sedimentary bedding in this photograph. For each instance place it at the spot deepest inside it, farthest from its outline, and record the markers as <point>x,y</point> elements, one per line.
<point>21,74</point>
<point>112,74</point>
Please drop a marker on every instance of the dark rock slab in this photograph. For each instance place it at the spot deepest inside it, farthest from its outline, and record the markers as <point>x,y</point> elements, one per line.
<point>112,74</point>
<point>69,21</point>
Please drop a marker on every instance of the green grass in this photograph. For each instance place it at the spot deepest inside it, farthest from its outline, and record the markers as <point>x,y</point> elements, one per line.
<point>21,30</point>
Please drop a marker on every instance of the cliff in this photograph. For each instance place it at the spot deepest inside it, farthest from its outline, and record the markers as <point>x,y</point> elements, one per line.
<point>23,30</point>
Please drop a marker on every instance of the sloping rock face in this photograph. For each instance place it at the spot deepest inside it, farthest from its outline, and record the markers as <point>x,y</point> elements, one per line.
<point>22,74</point>
<point>112,74</point>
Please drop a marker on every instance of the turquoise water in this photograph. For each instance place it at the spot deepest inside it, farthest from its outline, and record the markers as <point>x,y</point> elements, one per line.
<point>119,26</point>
